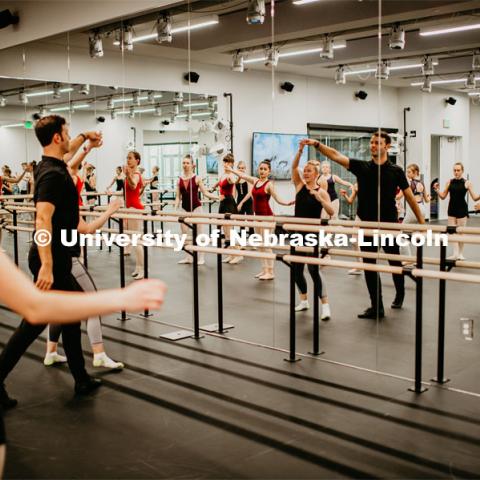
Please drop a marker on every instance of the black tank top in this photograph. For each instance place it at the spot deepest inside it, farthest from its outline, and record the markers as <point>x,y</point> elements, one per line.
<point>154,184</point>
<point>331,189</point>
<point>306,205</point>
<point>242,192</point>
<point>88,187</point>
<point>120,184</point>
<point>457,207</point>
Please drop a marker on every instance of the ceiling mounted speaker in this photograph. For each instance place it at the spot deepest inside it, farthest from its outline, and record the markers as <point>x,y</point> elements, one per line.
<point>191,77</point>
<point>451,100</point>
<point>7,18</point>
<point>287,86</point>
<point>361,95</point>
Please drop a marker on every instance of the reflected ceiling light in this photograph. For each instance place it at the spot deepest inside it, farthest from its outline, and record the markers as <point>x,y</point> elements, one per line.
<point>256,12</point>
<point>271,57</point>
<point>427,85</point>
<point>145,110</point>
<point>193,24</point>
<point>476,60</point>
<point>397,38</point>
<point>3,101</point>
<point>427,66</point>
<point>130,99</point>
<point>70,107</point>
<point>327,48</point>
<point>443,82</point>
<point>84,89</point>
<point>237,62</point>
<point>392,68</point>
<point>196,114</point>
<point>340,78</point>
<point>110,103</point>
<point>128,38</point>
<point>304,2</point>
<point>95,45</point>
<point>13,125</point>
<point>471,82</point>
<point>337,45</point>
<point>131,112</point>
<point>383,71</point>
<point>164,29</point>
<point>424,32</point>
<point>22,97</point>
<point>117,38</point>
<point>49,92</point>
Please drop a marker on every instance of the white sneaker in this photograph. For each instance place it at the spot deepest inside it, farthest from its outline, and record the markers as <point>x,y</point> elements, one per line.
<point>303,305</point>
<point>186,260</point>
<point>106,362</point>
<point>138,276</point>
<point>354,271</point>
<point>326,314</point>
<point>53,357</point>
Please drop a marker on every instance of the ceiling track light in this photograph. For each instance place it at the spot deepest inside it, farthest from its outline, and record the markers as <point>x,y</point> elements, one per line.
<point>84,89</point>
<point>95,44</point>
<point>117,38</point>
<point>113,114</point>
<point>176,109</point>
<point>427,85</point>
<point>383,71</point>
<point>56,91</point>
<point>128,38</point>
<point>23,97</point>
<point>256,12</point>
<point>3,101</point>
<point>237,62</point>
<point>42,112</point>
<point>397,38</point>
<point>164,29</point>
<point>271,57</point>
<point>178,97</point>
<point>110,103</point>
<point>327,49</point>
<point>151,97</point>
<point>471,82</point>
<point>476,60</point>
<point>211,103</point>
<point>158,111</point>
<point>131,113</point>
<point>427,66</point>
<point>340,77</point>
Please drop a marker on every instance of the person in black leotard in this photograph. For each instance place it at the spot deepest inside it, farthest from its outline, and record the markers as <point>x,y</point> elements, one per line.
<point>153,184</point>
<point>118,179</point>
<point>311,198</point>
<point>458,188</point>
<point>244,195</point>
<point>331,181</point>
<point>90,182</point>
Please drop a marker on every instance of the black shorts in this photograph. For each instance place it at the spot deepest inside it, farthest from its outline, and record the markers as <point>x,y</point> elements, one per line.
<point>228,205</point>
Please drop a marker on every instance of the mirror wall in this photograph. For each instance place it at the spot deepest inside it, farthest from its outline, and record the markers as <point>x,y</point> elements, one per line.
<point>210,78</point>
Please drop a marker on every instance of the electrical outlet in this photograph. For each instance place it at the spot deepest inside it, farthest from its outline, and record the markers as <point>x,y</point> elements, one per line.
<point>466,325</point>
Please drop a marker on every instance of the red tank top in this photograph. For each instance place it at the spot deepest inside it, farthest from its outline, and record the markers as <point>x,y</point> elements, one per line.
<point>132,195</point>
<point>226,188</point>
<point>261,198</point>
<point>79,186</point>
<point>189,194</point>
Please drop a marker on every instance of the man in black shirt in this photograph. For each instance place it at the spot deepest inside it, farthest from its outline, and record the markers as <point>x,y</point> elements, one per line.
<point>56,201</point>
<point>371,196</point>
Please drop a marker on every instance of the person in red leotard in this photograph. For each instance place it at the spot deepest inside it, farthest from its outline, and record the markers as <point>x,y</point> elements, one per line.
<point>187,195</point>
<point>226,186</point>
<point>261,192</point>
<point>133,187</point>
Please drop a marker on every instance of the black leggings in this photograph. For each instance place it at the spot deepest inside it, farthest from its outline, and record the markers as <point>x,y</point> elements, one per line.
<point>314,271</point>
<point>26,333</point>
<point>372,279</point>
